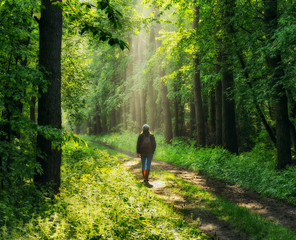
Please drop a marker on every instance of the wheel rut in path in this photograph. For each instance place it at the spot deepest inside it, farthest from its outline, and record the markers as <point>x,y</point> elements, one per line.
<point>277,211</point>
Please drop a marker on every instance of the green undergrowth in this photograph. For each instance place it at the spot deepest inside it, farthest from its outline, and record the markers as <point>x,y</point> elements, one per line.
<point>248,224</point>
<point>253,170</point>
<point>100,199</point>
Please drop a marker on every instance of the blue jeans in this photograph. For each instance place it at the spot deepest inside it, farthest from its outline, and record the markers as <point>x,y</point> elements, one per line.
<point>146,159</point>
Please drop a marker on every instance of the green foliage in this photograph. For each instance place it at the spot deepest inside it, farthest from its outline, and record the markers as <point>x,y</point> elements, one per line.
<point>19,80</point>
<point>99,199</point>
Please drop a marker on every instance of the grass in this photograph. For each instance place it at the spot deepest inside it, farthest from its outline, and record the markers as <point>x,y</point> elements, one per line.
<point>250,225</point>
<point>99,199</point>
<point>253,170</point>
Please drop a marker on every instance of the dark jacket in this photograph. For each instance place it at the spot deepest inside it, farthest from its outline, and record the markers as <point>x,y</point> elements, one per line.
<point>141,138</point>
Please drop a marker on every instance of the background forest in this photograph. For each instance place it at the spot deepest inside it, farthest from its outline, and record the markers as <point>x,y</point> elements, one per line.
<point>221,72</point>
<point>209,73</point>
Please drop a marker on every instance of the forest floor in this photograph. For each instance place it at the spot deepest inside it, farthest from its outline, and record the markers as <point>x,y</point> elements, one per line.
<point>276,211</point>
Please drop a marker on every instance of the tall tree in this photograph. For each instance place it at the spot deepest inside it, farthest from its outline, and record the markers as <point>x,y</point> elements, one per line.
<point>167,116</point>
<point>49,104</point>
<point>199,112</point>
<point>229,136</point>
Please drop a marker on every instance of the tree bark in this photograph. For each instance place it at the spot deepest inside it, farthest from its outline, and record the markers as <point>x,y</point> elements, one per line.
<point>229,136</point>
<point>143,106</point>
<point>151,105</point>
<point>192,120</point>
<point>275,65</point>
<point>199,112</point>
<point>218,107</point>
<point>212,119</point>
<point>168,134</point>
<point>49,104</point>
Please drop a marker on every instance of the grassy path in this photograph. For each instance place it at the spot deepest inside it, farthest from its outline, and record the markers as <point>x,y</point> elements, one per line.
<point>224,211</point>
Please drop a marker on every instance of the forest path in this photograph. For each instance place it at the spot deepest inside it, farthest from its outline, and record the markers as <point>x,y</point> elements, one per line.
<point>276,211</point>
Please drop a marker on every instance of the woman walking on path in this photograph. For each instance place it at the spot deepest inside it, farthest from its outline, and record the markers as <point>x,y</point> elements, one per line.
<point>146,146</point>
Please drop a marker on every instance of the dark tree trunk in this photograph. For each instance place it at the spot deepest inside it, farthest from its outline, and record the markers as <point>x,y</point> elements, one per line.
<point>293,135</point>
<point>49,105</point>
<point>292,105</point>
<point>229,136</point>
<point>199,112</point>
<point>218,107</point>
<point>176,127</point>
<point>212,117</point>
<point>275,65</point>
<point>177,110</point>
<point>192,120</point>
<point>32,109</point>
<point>181,120</point>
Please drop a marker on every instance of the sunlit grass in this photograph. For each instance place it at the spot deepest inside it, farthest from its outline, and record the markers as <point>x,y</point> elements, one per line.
<point>254,170</point>
<point>100,199</point>
<point>250,224</point>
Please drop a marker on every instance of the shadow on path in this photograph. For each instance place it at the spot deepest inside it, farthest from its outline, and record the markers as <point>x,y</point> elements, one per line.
<point>277,211</point>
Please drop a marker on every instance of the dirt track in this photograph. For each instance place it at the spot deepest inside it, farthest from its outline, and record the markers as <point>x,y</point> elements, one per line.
<point>274,210</point>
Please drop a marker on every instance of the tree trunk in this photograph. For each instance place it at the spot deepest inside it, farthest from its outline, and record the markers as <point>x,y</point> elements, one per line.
<point>199,112</point>
<point>275,65</point>
<point>138,111</point>
<point>212,118</point>
<point>192,120</point>
<point>49,105</point>
<point>177,113</point>
<point>168,134</point>
<point>151,105</point>
<point>218,107</point>
<point>143,106</point>
<point>229,136</point>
